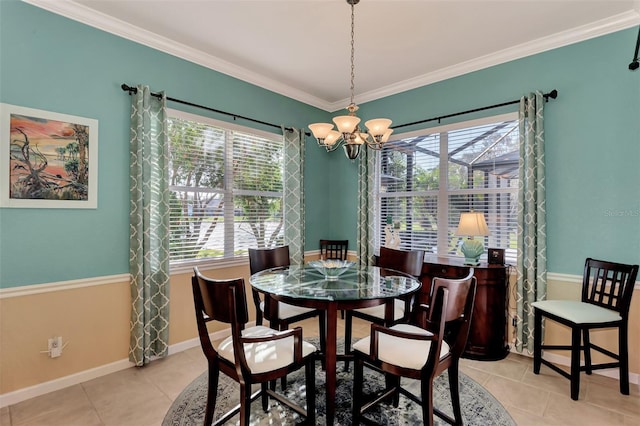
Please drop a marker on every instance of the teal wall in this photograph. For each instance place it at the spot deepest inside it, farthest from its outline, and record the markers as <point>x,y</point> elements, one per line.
<point>592,139</point>
<point>52,63</point>
<point>592,133</point>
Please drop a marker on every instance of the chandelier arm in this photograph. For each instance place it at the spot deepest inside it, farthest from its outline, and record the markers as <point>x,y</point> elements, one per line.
<point>336,145</point>
<point>374,145</point>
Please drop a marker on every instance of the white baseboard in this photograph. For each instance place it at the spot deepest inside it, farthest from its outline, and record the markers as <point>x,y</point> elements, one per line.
<point>63,382</point>
<point>93,373</point>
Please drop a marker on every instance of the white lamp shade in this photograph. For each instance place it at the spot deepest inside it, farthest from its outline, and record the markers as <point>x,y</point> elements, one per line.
<point>320,130</point>
<point>346,123</point>
<point>378,126</point>
<point>472,224</point>
<point>332,137</point>
<point>386,135</point>
<point>359,138</point>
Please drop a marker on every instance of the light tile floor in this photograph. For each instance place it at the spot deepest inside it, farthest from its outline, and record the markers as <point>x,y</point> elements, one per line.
<point>139,397</point>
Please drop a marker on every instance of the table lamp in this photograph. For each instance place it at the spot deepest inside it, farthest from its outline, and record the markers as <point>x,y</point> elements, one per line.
<point>472,224</point>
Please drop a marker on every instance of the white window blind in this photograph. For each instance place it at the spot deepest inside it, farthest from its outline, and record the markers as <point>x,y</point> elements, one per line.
<point>427,178</point>
<point>225,187</point>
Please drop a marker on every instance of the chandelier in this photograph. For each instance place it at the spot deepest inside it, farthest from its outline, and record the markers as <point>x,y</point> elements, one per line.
<point>349,133</point>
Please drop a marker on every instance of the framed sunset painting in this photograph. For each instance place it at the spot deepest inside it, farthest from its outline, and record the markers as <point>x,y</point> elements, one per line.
<point>48,160</point>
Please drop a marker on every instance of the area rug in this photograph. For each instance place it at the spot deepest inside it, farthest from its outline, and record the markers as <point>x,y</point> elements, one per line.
<point>479,407</point>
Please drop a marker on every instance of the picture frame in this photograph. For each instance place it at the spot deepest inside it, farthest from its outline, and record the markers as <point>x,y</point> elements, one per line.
<point>47,159</point>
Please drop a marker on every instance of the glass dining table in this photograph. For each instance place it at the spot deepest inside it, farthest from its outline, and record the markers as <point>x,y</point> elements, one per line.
<point>357,287</point>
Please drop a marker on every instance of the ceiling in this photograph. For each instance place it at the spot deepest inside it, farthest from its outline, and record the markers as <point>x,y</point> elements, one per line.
<point>301,48</point>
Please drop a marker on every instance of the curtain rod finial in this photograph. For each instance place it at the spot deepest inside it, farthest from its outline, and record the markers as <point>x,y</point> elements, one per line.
<point>127,88</point>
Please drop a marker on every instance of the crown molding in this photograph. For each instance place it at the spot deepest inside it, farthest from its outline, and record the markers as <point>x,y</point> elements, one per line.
<point>88,16</point>
<point>595,29</point>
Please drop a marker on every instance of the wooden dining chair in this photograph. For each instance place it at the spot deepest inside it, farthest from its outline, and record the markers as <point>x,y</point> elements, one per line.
<point>409,262</point>
<point>279,314</point>
<point>333,249</point>
<point>607,288</point>
<point>420,352</point>
<point>250,355</point>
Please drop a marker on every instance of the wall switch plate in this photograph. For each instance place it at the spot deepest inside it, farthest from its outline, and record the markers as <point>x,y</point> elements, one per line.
<point>55,346</point>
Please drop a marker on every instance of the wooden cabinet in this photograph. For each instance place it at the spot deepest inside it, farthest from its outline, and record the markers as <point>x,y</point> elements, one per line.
<point>489,321</point>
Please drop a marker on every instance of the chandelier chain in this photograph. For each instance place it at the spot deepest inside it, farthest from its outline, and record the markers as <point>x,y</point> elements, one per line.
<point>349,133</point>
<point>353,73</point>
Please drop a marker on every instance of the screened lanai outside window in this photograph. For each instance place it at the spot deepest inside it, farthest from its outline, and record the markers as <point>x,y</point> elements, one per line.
<point>428,178</point>
<point>225,188</point>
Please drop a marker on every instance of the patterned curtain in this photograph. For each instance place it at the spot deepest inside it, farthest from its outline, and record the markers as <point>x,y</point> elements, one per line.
<point>532,235</point>
<point>149,228</point>
<point>366,207</point>
<point>293,197</point>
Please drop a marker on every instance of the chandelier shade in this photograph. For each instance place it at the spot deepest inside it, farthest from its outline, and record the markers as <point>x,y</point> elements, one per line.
<point>348,133</point>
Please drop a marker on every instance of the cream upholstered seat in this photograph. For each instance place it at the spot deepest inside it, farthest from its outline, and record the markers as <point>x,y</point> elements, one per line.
<point>287,311</point>
<point>378,311</point>
<point>607,288</point>
<point>577,312</point>
<point>419,352</point>
<point>264,356</point>
<point>400,351</point>
<point>250,355</point>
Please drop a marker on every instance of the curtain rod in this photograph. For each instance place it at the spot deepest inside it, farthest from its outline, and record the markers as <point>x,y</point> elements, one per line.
<point>552,94</point>
<point>634,62</point>
<point>131,90</point>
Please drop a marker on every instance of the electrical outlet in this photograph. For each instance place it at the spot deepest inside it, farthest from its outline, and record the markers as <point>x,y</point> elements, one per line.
<point>55,346</point>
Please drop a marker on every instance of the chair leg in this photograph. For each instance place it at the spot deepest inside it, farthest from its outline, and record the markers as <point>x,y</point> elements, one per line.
<point>245,403</point>
<point>322,320</point>
<point>575,363</point>
<point>393,381</point>
<point>454,389</point>
<point>264,396</point>
<point>587,350</point>
<point>282,326</point>
<point>310,371</point>
<point>623,358</point>
<point>427,401</point>
<point>358,367</point>
<point>348,325</point>
<point>537,341</point>
<point>212,392</point>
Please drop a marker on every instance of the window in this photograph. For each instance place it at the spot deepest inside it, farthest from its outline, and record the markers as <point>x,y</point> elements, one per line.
<point>225,184</point>
<point>427,178</point>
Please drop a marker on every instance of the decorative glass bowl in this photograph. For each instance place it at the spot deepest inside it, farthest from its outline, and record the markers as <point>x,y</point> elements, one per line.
<point>331,269</point>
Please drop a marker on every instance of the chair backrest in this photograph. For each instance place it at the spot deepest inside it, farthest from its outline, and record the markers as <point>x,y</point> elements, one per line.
<point>212,299</point>
<point>218,300</point>
<point>458,310</point>
<point>608,284</point>
<point>334,249</point>
<point>261,259</point>
<point>409,262</point>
